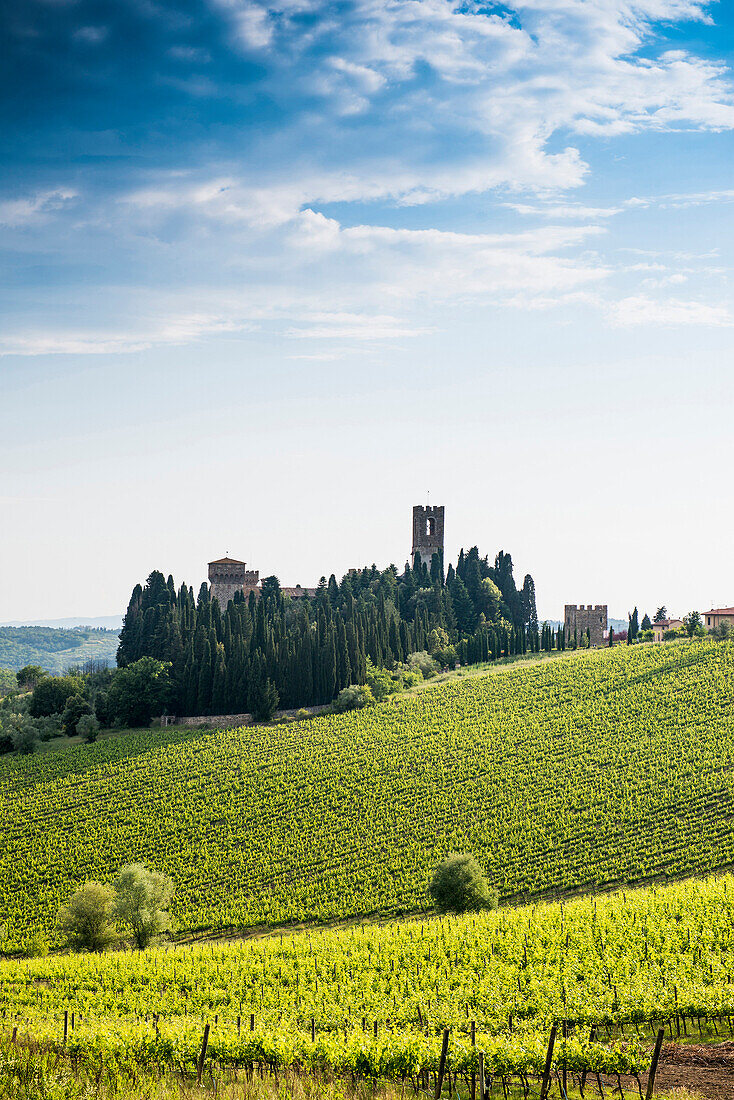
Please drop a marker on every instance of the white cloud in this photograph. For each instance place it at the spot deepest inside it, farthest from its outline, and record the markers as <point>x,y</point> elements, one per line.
<point>423,73</point>
<point>175,330</point>
<point>402,103</point>
<point>563,211</point>
<point>640,310</point>
<point>353,326</point>
<point>17,213</point>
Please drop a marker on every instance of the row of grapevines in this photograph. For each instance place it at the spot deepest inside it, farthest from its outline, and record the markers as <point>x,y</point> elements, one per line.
<point>629,957</point>
<point>396,1055</point>
<point>594,769</point>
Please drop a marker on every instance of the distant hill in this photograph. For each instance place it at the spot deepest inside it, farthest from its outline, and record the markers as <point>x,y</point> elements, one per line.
<point>617,625</point>
<point>108,622</point>
<point>55,649</point>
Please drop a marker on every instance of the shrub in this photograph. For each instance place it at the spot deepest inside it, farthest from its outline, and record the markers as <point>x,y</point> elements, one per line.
<point>446,656</point>
<point>355,697</point>
<point>423,662</point>
<point>24,733</point>
<point>459,885</point>
<point>88,727</point>
<point>379,681</point>
<point>35,946</point>
<point>76,707</point>
<point>50,695</point>
<point>410,676</point>
<point>49,727</point>
<point>139,691</point>
<point>89,918</point>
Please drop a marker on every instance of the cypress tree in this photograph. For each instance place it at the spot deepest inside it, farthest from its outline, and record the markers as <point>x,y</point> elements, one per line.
<point>344,666</point>
<point>219,682</point>
<point>204,694</point>
<point>130,648</point>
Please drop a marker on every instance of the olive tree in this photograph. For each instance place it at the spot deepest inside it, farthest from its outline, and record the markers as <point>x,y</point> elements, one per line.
<point>142,901</point>
<point>459,885</point>
<point>89,918</point>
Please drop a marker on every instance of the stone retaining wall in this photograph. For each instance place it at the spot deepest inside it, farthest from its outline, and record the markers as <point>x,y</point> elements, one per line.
<point>230,721</point>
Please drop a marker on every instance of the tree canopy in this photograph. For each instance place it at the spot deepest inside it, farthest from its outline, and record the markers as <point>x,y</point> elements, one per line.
<point>268,650</point>
<point>459,885</point>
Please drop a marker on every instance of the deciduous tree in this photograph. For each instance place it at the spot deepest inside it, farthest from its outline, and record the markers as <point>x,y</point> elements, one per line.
<point>89,918</point>
<point>142,901</point>
<point>459,885</point>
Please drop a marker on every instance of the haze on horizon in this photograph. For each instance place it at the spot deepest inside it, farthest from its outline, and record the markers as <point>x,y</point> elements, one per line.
<point>271,273</point>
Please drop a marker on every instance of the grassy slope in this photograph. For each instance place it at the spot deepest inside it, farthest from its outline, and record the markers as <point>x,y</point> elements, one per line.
<point>598,768</point>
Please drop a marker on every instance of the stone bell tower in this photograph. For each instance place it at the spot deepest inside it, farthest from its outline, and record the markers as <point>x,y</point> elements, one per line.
<point>427,532</point>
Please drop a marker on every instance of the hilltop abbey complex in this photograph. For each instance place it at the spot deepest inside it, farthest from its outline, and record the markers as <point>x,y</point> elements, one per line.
<point>227,576</point>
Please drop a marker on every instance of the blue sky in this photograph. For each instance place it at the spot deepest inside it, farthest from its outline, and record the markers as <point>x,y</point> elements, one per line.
<point>271,273</point>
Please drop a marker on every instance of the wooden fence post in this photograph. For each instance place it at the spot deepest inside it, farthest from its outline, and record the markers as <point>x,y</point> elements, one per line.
<point>482,1082</point>
<point>654,1065</point>
<point>592,1036</point>
<point>66,1026</point>
<point>202,1056</point>
<point>548,1062</point>
<point>442,1063</point>
<point>474,1076</point>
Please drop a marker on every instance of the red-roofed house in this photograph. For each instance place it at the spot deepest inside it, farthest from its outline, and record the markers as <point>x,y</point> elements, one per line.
<point>718,615</point>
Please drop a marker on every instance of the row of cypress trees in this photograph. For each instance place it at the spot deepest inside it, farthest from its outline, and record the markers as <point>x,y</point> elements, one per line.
<point>260,652</point>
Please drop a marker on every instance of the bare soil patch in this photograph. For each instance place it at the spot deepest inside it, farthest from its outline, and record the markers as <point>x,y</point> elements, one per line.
<point>705,1070</point>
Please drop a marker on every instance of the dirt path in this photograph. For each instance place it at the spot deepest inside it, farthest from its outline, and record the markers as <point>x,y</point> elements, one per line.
<point>703,1071</point>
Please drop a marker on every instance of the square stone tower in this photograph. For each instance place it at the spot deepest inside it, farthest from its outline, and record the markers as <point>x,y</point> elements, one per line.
<point>427,532</point>
<point>591,618</point>
<point>227,576</point>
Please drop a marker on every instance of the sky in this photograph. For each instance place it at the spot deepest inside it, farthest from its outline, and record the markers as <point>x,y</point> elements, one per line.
<point>271,274</point>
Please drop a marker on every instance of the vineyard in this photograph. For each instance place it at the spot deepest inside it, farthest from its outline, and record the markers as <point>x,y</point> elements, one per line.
<point>373,1001</point>
<point>596,769</point>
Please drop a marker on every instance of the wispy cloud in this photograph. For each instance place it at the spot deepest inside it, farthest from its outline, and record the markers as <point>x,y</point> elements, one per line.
<point>29,209</point>
<point>176,330</point>
<point>640,310</point>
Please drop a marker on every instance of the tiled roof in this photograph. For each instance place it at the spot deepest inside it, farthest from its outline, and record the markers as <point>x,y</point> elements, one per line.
<point>226,561</point>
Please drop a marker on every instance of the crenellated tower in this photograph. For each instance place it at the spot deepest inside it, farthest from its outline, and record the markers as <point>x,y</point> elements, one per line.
<point>227,576</point>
